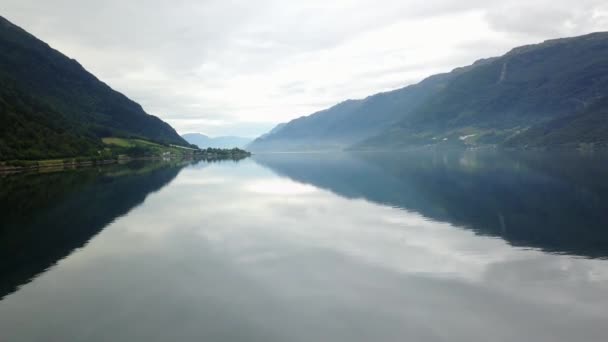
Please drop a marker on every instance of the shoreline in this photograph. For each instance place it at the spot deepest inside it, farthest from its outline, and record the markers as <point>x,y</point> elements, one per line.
<point>73,163</point>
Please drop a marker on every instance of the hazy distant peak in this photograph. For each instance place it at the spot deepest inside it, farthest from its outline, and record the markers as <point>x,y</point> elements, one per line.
<point>204,141</point>
<point>195,135</point>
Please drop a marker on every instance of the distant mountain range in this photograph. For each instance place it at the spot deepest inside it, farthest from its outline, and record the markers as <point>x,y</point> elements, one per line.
<point>203,141</point>
<point>51,107</point>
<point>553,94</point>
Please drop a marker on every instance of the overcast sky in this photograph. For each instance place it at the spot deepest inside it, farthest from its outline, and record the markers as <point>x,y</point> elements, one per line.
<point>238,67</point>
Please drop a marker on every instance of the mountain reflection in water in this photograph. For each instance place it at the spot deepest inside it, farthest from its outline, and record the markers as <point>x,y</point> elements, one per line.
<point>557,202</point>
<point>47,216</point>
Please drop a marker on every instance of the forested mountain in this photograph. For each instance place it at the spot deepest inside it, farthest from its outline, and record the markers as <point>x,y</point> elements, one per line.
<point>587,128</point>
<point>203,141</point>
<point>50,106</point>
<point>350,121</point>
<point>546,95</point>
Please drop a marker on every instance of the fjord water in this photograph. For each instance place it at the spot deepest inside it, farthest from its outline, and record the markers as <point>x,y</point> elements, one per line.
<point>428,246</point>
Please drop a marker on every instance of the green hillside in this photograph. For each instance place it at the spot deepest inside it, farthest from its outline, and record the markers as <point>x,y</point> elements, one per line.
<point>545,95</point>
<point>50,106</point>
<point>532,86</point>
<point>587,129</point>
<point>351,121</point>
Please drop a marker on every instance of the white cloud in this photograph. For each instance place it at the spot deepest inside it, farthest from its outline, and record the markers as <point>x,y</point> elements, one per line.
<point>248,65</point>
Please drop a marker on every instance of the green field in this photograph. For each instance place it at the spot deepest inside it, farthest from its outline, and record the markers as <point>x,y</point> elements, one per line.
<point>140,147</point>
<point>124,142</point>
<point>116,148</point>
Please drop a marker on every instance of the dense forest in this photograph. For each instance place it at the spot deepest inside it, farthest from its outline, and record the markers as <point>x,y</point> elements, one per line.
<point>51,107</point>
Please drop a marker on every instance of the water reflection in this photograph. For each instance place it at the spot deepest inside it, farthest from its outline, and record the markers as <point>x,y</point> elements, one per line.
<point>235,252</point>
<point>47,216</point>
<point>556,202</point>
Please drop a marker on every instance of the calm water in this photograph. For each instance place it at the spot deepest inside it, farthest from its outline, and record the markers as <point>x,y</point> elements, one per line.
<point>474,246</point>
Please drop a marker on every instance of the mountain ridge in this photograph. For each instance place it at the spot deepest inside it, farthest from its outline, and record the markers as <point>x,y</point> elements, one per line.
<point>364,109</point>
<point>487,103</point>
<point>46,92</point>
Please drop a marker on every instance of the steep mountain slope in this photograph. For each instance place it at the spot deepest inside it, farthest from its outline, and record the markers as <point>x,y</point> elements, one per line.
<point>30,129</point>
<point>588,129</point>
<point>353,120</point>
<point>203,141</point>
<point>529,87</point>
<point>51,106</point>
<point>506,100</point>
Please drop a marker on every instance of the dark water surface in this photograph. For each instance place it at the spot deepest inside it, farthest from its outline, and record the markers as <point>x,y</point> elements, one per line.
<point>433,246</point>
